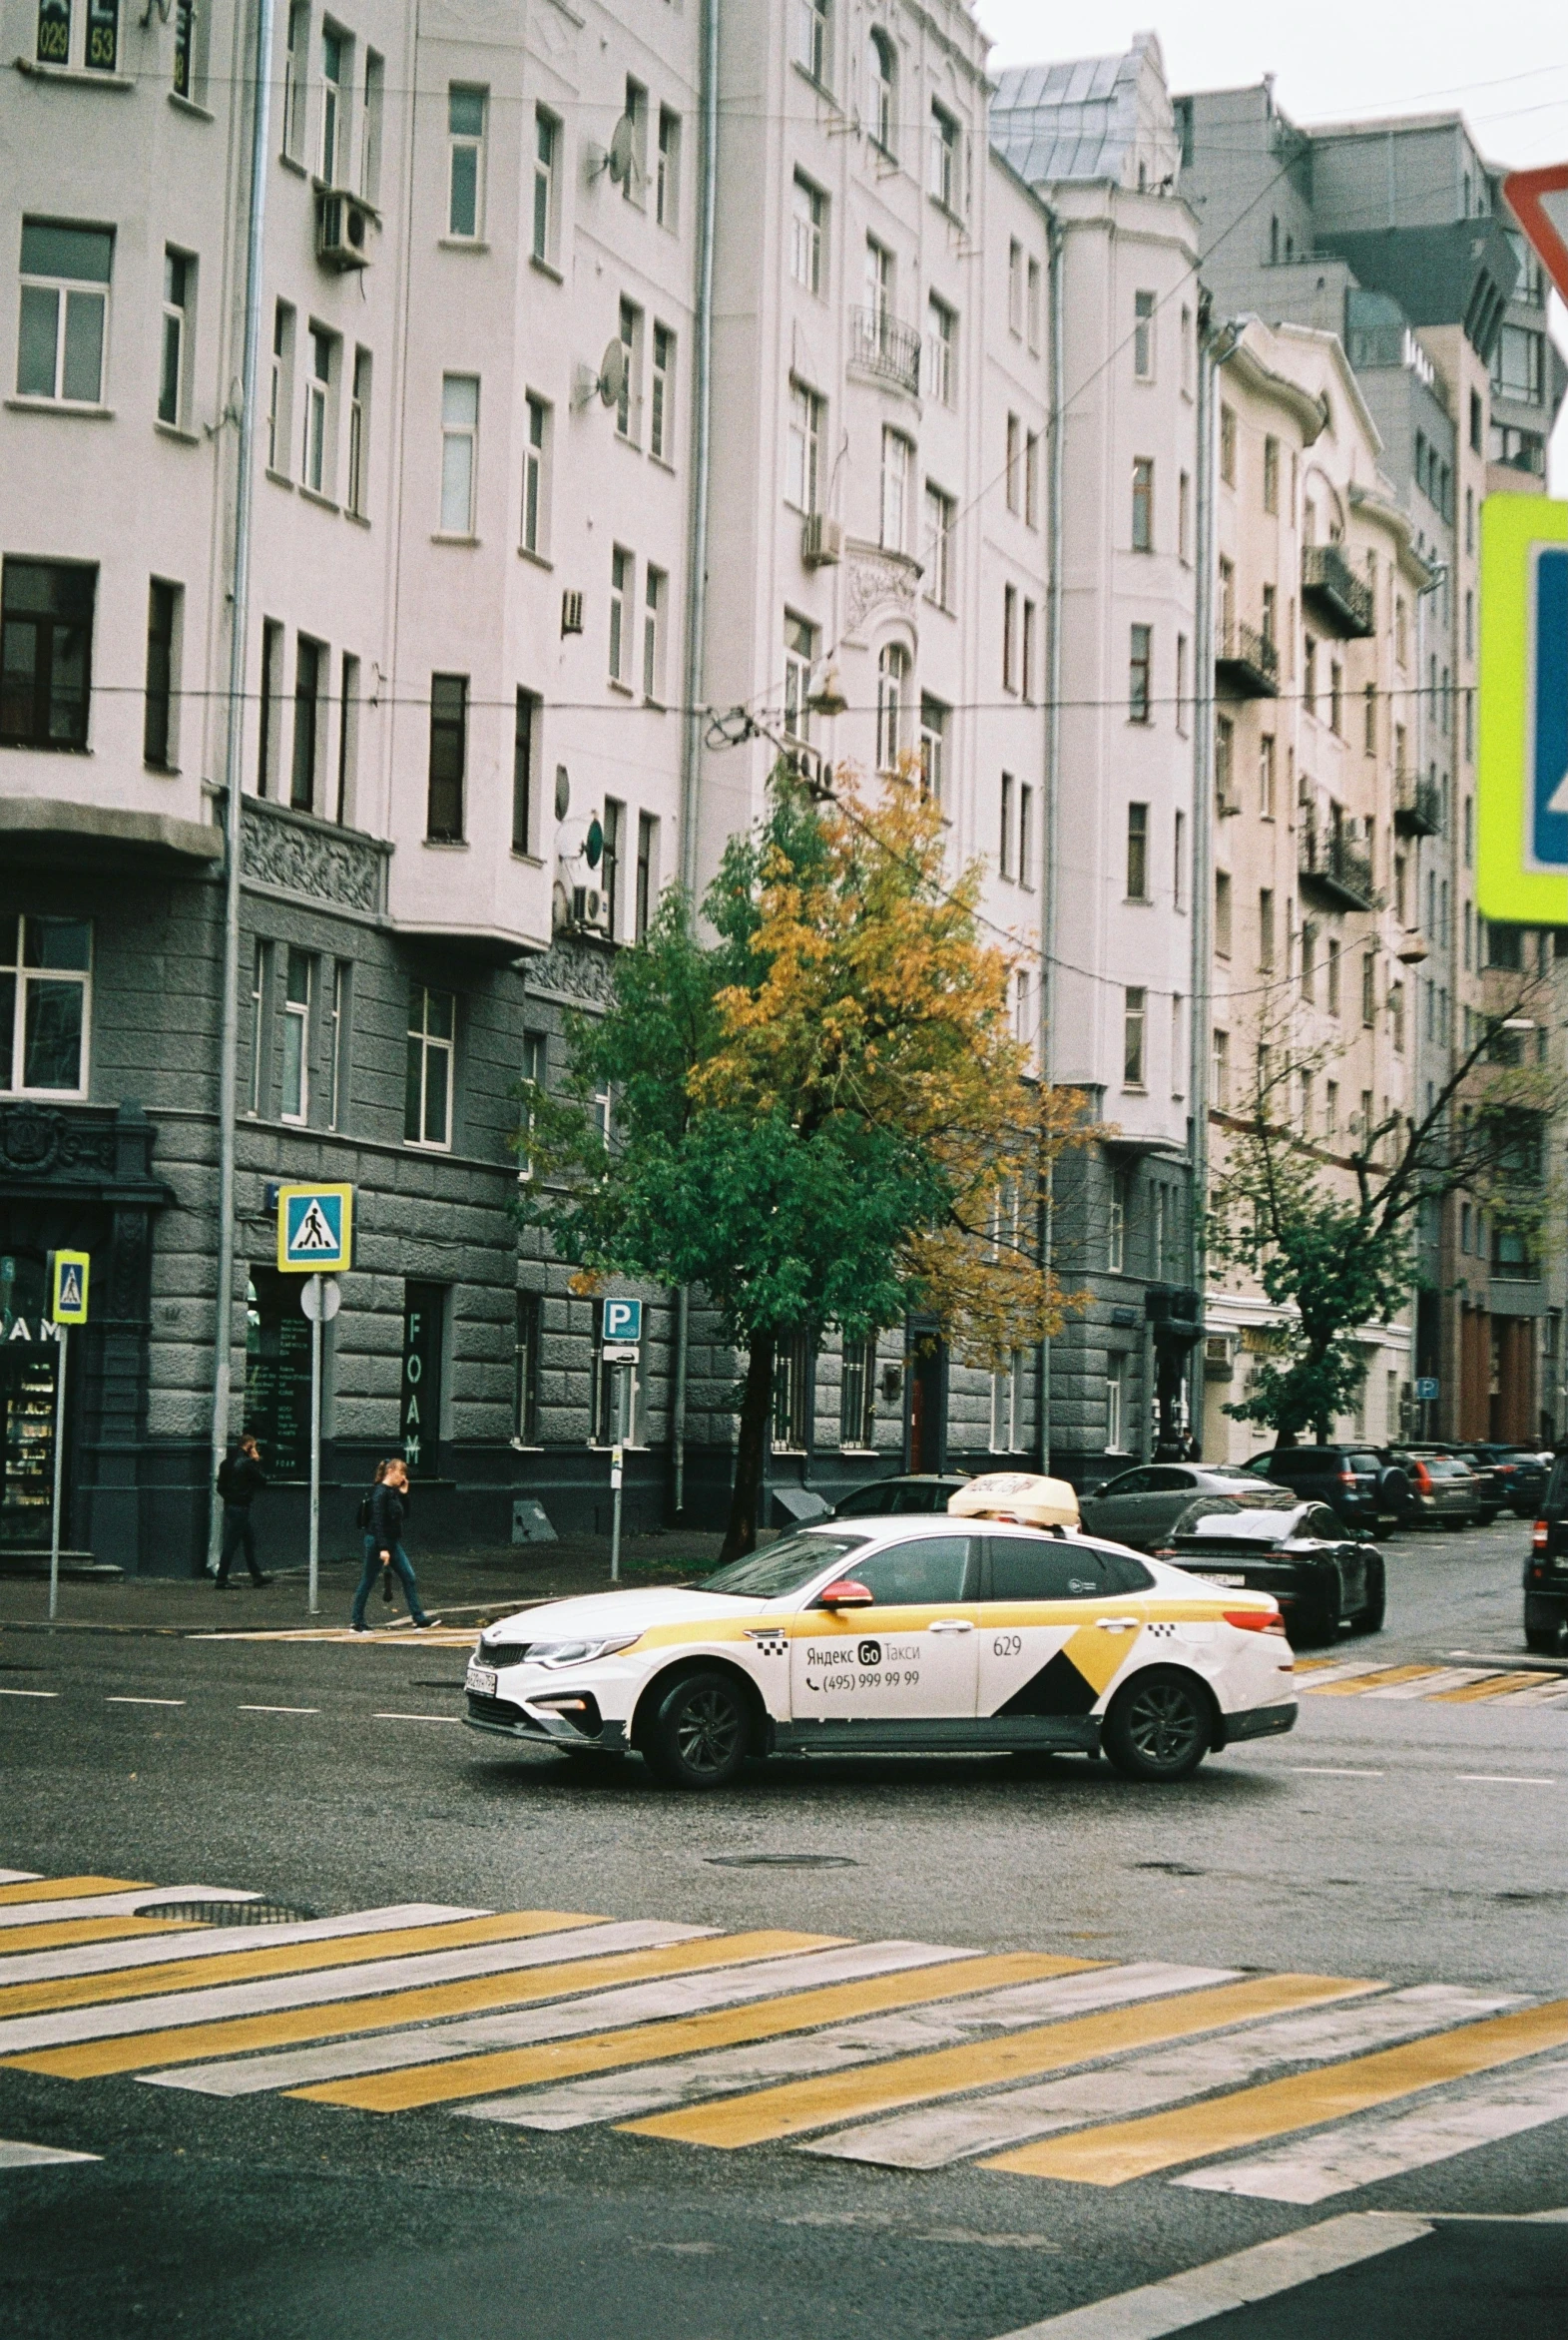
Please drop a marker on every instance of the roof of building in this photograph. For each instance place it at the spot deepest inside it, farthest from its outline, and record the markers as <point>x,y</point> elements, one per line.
<point>1094,118</point>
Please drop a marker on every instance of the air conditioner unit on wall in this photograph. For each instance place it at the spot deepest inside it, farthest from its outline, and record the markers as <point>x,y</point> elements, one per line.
<point>822,541</point>
<point>589,910</point>
<point>571,612</point>
<point>342,231</point>
<point>1219,1357</point>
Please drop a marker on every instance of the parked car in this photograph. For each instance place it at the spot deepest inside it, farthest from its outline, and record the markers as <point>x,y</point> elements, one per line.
<point>1546,1569</point>
<point>1444,1490</point>
<point>1141,1506</point>
<point>1322,1574</point>
<point>1488,1485</point>
<point>1518,1473</point>
<point>894,1499</point>
<point>1360,1486</point>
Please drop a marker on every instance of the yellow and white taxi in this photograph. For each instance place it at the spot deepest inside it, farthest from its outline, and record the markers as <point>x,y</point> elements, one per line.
<point>975,1631</point>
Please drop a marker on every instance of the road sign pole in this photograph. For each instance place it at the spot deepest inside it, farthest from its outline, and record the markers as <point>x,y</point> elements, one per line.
<point>617,1466</point>
<point>315,1460</point>
<point>62,1337</point>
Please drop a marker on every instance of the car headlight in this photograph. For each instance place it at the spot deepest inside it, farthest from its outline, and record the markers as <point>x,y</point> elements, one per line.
<point>555,1653</point>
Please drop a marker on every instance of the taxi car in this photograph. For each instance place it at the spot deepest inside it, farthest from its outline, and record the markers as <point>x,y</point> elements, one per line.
<point>965,1633</point>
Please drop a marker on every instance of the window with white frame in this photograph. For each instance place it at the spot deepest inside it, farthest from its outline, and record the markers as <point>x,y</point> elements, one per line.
<point>296,79</point>
<point>934,746</point>
<point>1009,637</point>
<point>813,39</point>
<point>1015,463</point>
<point>1032,305</point>
<point>359,435</point>
<point>629,405</point>
<point>1115,1224</point>
<point>46,978</point>
<point>857,1396</point>
<point>1134,1019</point>
<point>634,187</point>
<point>655,599</point>
<point>347,738</point>
<point>804,449</point>
<point>1143,336</point>
<point>946,159</point>
<point>794,1379</point>
<point>623,584</point>
<point>459,451</point>
<point>1025,844</point>
<point>547,152</point>
<point>667,171</point>
<point>315,452</point>
<point>936,550</point>
<point>1015,286</point>
<point>661,411</point>
<point>427,1092</point>
<point>879,271</point>
<point>281,392</point>
<point>298,974</point>
<point>1004,849</point>
<point>941,352</point>
<point>892,704</point>
<point>63,329</point>
<point>536,478</point>
<point>46,653</point>
<point>370,115</point>
<point>466,108</point>
<point>807,223</point>
<point>1032,479</point>
<point>800,656</point>
<point>1115,1405</point>
<point>882,93</point>
<point>448,770</point>
<point>174,349</point>
<point>897,470</point>
<point>310,677</point>
<point>336,71</point>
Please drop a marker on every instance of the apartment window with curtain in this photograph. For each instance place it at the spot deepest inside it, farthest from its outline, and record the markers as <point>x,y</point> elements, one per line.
<point>857,1396</point>
<point>1134,1019</point>
<point>936,552</point>
<point>159,729</point>
<point>536,505</point>
<point>310,680</point>
<point>448,759</point>
<point>1143,504</point>
<point>525,751</point>
<point>629,406</point>
<point>667,171</point>
<point>174,354</point>
<point>281,390</point>
<point>63,327</point>
<point>299,984</point>
<point>545,202</point>
<point>316,452</point>
<point>459,453</point>
<point>427,1092</point>
<point>359,436</point>
<point>1143,336</point>
<point>898,465</point>
<point>892,704</point>
<point>661,413</point>
<point>808,226</point>
<point>1139,663</point>
<point>623,585</point>
<point>656,596</point>
<point>466,108</point>
<point>804,448</point>
<point>1138,852</point>
<point>800,654</point>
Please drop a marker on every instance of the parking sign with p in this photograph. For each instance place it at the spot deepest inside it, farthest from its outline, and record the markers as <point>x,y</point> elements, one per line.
<point>623,1324</point>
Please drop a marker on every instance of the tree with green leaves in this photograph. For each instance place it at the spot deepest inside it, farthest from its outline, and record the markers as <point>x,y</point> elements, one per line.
<point>822,1114</point>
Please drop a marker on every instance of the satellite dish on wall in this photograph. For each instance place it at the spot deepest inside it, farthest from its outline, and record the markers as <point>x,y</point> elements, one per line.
<point>612,373</point>
<point>593,844</point>
<point>622,160</point>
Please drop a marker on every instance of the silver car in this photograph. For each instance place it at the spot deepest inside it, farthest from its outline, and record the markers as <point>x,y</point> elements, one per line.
<point>1141,1506</point>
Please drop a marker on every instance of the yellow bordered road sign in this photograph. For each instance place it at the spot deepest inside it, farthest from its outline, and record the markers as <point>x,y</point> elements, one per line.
<point>315,1230</point>
<point>68,1287</point>
<point>1522,747</point>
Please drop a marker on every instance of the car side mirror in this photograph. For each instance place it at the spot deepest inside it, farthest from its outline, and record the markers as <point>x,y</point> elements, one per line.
<point>846,1594</point>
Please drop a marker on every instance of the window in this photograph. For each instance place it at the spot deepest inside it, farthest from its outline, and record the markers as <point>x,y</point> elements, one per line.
<point>359,435</point>
<point>547,145</point>
<point>1015,286</point>
<point>1115,1403</point>
<point>1184,517</point>
<point>945,159</point>
<point>647,874</point>
<point>800,654</point>
<point>1027,637</point>
<point>1309,967</point>
<point>309,682</point>
<point>1336,698</point>
<point>1143,336</point>
<point>64,319</point>
<point>667,172</point>
<point>1032,479</point>
<point>1179,861</point>
<point>347,738</point>
<point>335,55</point>
<point>661,419</point>
<point>1221,912</point>
<point>1116,1223</point>
<point>1009,637</point>
<point>792,1392</point>
<point>1014,469</point>
<point>162,649</point>
<point>934,747</point>
<point>280,393</point>
<point>941,352</point>
<point>635,114</point>
<point>808,219</point>
<point>813,36</point>
<point>465,132</point>
<point>882,94</point>
<point>428,1093</point>
<point>532,1083</point>
<point>1270,475</point>
<point>459,451</point>
<point>535,476</point>
<point>1332,1110</point>
<point>879,294</point>
<point>1032,305</point>
<point>370,126</point>
<point>294,79</point>
<point>1138,852</point>
<point>525,750</point>
<point>269,727</point>
<point>178,284</point>
<point>804,447</point>
<point>298,971</point>
<point>258,1027</point>
<point>1026,879</point>
<point>525,1372</point>
<point>1266,776</point>
<point>337,1060</point>
<point>1006,1392</point>
<point>629,406</point>
<point>46,653</point>
<point>1265,929</point>
<point>1397,1016</point>
<point>1310,674</point>
<point>448,759</point>
<point>1228,446</point>
<point>857,1396</point>
<point>316,454</point>
<point>1140,658</point>
<point>892,704</point>
<point>1224,765</point>
<point>1369,989</point>
<point>1220,1072</point>
<point>1133,1018</point>
<point>937,551</point>
<point>1181,685</point>
<point>610,867</point>
<point>898,465</point>
<point>45,980</point>
<point>1519,366</point>
<point>623,585</point>
<point>1004,856</point>
<point>656,595</point>
<point>1143,504</point>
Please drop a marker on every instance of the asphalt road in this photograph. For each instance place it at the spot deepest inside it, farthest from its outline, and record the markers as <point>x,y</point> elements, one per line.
<point>1406,1840</point>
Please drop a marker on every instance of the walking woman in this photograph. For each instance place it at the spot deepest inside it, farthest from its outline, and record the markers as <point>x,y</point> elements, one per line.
<point>383,1544</point>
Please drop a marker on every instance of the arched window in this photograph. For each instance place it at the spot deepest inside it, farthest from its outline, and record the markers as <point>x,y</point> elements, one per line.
<point>892,704</point>
<point>881,115</point>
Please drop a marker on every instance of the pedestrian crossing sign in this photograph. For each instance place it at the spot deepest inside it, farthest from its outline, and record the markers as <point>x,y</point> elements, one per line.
<point>1522,747</point>
<point>68,1287</point>
<point>316,1229</point>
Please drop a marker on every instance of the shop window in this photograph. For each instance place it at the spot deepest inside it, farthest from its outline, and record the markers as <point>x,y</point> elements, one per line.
<point>278,1374</point>
<point>45,1005</point>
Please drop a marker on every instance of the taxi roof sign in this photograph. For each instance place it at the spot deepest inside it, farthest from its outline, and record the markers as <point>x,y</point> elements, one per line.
<point>68,1287</point>
<point>315,1230</point>
<point>1521,792</point>
<point>1025,1495</point>
<point>1538,199</point>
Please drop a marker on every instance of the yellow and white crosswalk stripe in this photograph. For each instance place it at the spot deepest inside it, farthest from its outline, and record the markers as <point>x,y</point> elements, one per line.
<point>19,2156</point>
<point>1373,1678</point>
<point>144,1942</point>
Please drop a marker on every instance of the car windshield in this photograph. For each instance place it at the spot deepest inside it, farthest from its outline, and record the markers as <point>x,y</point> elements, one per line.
<point>1256,1520</point>
<point>784,1568</point>
<point>1446,1466</point>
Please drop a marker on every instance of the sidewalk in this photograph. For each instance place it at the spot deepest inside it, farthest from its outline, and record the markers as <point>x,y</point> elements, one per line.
<point>469,1586</point>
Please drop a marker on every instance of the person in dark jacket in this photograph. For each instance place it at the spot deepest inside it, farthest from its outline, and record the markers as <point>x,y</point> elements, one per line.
<point>240,1481</point>
<point>383,1545</point>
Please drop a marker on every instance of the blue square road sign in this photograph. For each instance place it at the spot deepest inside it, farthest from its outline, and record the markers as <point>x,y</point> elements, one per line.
<point>623,1323</point>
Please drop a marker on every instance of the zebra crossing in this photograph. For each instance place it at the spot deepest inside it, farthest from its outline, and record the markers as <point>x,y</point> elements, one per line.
<point>899,2054</point>
<point>1445,1684</point>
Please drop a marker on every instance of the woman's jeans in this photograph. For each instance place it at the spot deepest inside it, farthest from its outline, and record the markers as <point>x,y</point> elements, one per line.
<point>373,1569</point>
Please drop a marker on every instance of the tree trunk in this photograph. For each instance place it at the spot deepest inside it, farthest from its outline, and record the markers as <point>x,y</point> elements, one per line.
<point>756,1413</point>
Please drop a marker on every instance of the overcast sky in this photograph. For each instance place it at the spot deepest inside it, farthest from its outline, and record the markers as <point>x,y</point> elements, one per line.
<point>1503,64</point>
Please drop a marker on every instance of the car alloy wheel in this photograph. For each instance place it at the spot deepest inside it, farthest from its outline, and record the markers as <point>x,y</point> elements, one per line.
<point>702,1732</point>
<point>1160,1726</point>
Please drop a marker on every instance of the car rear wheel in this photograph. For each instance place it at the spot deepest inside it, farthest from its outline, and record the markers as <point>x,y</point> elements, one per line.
<point>1315,1616</point>
<point>701,1733</point>
<point>1370,1619</point>
<point>1159,1727</point>
<point>1545,1640</point>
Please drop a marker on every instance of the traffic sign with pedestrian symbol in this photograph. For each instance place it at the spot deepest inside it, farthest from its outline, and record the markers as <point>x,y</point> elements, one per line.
<point>68,1287</point>
<point>315,1229</point>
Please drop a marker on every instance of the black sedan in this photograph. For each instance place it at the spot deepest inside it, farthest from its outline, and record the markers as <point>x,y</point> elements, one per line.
<point>1322,1574</point>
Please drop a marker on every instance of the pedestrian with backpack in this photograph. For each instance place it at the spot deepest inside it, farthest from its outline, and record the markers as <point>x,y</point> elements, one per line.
<point>241,1479</point>
<point>387,1511</point>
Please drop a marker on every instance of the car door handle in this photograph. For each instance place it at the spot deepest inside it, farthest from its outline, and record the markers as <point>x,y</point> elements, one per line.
<point>1118,1624</point>
<point>950,1626</point>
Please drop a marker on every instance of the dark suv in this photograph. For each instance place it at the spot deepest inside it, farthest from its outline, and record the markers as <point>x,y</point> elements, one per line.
<point>1546,1569</point>
<point>1357,1485</point>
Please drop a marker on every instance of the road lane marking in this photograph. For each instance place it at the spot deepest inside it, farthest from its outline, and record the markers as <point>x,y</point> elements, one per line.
<point>1501,1779</point>
<point>48,1889</point>
<point>623,2096</point>
<point>17,2156</point>
<point>325,2015</point>
<point>1497,1686</point>
<point>1262,2272</point>
<point>481,2076</point>
<point>1196,2132</point>
<point>1332,1771</point>
<point>19,1876</point>
<point>30,1694</point>
<point>107,1905</point>
<point>940,2134</point>
<point>1342,1671</point>
<point>1364,2152</point>
<point>416,1718</point>
<point>129,1701</point>
<point>1433,1685</point>
<point>277,1710</point>
<point>340,1951</point>
<point>1350,1685</point>
<point>72,1933</point>
<point>722,1984</point>
<point>822,2103</point>
<point>96,1957</point>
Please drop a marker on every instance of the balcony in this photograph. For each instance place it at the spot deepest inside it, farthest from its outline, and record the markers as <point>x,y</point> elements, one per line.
<point>1331,588</point>
<point>1418,805</point>
<point>1248,662</point>
<point>884,349</point>
<point>1333,870</point>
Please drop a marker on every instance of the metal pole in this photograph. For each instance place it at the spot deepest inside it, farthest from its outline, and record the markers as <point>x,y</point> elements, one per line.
<point>1056,263</point>
<point>315,1444</point>
<point>229,1047</point>
<point>62,1335</point>
<point>1203,836</point>
<point>617,1466</point>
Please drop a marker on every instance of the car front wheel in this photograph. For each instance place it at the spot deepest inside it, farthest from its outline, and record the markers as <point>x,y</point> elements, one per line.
<point>701,1733</point>
<point>1159,1727</point>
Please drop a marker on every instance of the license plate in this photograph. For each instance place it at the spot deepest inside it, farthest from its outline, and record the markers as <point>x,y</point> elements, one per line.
<point>481,1680</point>
<point>1209,1576</point>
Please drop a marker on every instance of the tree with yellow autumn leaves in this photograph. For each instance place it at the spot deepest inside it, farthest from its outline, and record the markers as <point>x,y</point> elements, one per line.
<point>822,1116</point>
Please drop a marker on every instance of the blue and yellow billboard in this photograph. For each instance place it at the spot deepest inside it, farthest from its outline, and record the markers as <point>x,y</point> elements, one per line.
<point>1522,869</point>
